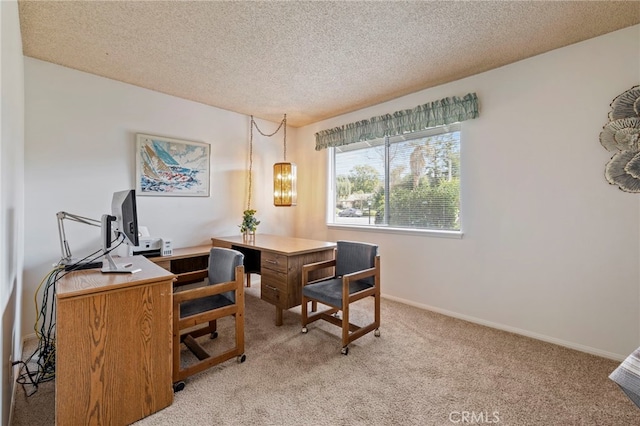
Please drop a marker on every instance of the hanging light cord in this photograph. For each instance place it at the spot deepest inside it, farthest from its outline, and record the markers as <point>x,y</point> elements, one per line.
<point>284,120</point>
<point>254,124</point>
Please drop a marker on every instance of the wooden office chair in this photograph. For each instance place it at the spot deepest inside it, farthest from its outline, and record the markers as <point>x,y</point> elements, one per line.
<point>223,295</point>
<point>356,276</point>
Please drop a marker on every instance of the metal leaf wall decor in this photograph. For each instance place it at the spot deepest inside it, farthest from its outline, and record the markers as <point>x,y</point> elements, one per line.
<point>621,135</point>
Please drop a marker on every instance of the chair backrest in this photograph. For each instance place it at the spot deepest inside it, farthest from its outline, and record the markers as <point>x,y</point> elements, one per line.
<point>222,266</point>
<point>352,256</point>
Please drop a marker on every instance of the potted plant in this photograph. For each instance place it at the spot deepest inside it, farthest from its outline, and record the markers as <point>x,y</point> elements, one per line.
<point>249,223</point>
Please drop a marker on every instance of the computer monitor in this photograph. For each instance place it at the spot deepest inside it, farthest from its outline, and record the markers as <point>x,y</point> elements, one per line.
<point>124,209</point>
<point>124,214</point>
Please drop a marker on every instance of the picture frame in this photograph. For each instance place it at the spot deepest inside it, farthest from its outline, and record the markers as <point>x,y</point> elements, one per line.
<point>172,167</point>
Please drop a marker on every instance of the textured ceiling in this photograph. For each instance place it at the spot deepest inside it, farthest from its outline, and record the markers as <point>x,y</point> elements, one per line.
<point>309,59</point>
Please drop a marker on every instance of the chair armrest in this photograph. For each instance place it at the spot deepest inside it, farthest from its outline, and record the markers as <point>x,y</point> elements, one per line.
<point>200,292</point>
<point>358,275</point>
<point>309,267</point>
<point>211,289</point>
<point>319,265</point>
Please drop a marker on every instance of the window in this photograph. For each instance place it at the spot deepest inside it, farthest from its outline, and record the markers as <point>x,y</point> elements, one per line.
<point>410,181</point>
<point>401,170</point>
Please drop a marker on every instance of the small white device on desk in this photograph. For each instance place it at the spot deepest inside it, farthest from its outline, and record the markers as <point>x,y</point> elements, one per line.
<point>150,246</point>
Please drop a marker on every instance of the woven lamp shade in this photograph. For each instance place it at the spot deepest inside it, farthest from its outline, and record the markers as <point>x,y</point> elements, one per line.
<point>285,192</point>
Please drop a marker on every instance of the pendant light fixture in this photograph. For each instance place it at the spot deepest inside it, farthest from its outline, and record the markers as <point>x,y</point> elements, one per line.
<point>285,192</point>
<point>284,174</point>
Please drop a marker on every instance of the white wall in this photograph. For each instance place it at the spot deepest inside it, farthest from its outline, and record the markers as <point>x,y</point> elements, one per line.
<point>11,196</point>
<point>80,148</point>
<point>550,249</point>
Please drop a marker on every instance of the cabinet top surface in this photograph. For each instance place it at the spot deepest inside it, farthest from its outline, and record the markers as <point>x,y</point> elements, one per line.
<point>184,252</point>
<point>277,244</point>
<point>90,281</point>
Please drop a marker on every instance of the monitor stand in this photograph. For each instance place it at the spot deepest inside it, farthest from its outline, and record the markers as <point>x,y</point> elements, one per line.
<point>118,268</point>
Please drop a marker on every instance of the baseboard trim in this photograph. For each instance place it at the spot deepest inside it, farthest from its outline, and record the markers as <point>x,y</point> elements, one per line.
<point>28,337</point>
<point>503,327</point>
<point>14,388</point>
<point>15,371</point>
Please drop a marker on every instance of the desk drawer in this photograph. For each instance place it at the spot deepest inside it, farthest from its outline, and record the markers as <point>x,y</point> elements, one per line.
<point>274,278</point>
<point>274,261</point>
<point>272,294</point>
<point>274,286</point>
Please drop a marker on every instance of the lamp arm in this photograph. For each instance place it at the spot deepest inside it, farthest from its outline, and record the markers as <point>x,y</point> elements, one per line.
<point>65,251</point>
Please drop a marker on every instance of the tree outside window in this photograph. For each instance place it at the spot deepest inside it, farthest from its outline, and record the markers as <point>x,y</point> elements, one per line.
<point>410,181</point>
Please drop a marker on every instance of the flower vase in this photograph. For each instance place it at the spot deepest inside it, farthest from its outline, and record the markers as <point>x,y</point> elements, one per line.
<point>249,236</point>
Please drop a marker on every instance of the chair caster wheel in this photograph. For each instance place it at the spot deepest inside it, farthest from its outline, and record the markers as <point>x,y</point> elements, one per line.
<point>178,386</point>
<point>345,350</point>
<point>376,332</point>
<point>241,358</point>
<point>214,335</point>
<point>304,330</point>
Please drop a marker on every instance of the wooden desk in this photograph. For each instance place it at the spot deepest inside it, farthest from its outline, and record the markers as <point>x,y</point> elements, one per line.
<point>281,260</point>
<point>189,264</point>
<point>113,345</point>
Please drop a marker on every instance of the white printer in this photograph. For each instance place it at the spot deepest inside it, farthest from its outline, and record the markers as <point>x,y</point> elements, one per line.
<point>149,246</point>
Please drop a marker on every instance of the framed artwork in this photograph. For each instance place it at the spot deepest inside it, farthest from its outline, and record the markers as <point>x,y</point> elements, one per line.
<point>171,167</point>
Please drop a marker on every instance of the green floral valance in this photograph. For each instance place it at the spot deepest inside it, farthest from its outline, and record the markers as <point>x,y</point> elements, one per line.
<point>438,113</point>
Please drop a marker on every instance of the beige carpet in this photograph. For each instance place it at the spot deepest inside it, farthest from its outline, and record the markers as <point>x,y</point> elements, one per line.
<point>425,369</point>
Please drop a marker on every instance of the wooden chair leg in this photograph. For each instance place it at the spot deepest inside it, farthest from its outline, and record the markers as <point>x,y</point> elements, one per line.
<point>176,344</point>
<point>248,279</point>
<point>345,325</point>
<point>213,328</point>
<point>239,320</point>
<point>304,307</point>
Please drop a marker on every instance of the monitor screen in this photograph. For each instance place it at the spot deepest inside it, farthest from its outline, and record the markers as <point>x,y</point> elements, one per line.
<point>124,214</point>
<point>123,208</point>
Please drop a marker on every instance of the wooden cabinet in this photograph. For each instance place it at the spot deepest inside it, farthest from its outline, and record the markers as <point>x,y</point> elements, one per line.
<point>273,279</point>
<point>281,276</point>
<point>113,345</point>
<point>189,264</point>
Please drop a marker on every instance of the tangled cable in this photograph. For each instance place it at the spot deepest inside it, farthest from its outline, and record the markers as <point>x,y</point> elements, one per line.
<point>40,366</point>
